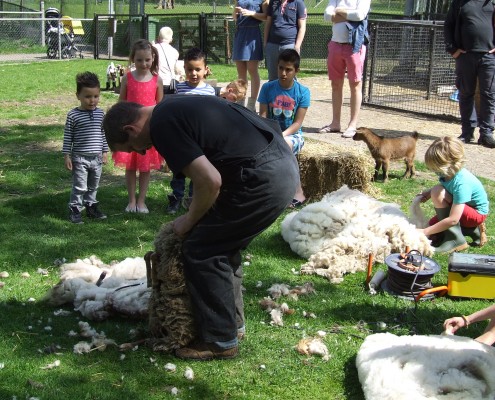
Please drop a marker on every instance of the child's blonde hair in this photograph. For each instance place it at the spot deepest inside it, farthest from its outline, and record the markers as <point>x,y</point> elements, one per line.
<point>239,87</point>
<point>143,44</point>
<point>445,156</point>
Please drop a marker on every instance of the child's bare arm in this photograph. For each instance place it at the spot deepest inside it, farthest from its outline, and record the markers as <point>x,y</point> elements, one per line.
<point>159,90</point>
<point>263,110</point>
<point>123,89</point>
<point>297,123</point>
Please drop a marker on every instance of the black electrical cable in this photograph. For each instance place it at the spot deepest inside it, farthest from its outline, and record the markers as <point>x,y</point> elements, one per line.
<point>408,284</point>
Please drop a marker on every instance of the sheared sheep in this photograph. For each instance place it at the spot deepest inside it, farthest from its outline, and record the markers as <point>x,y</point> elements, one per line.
<point>123,290</point>
<point>339,232</point>
<point>385,149</point>
<point>422,367</point>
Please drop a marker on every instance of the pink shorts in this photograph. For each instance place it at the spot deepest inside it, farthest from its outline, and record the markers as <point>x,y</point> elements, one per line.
<point>470,218</point>
<point>341,59</point>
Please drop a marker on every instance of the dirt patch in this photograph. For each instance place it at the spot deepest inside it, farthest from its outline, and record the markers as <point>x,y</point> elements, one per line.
<point>479,158</point>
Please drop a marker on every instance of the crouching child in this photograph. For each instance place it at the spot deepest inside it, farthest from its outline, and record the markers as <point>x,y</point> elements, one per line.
<point>460,200</point>
<point>85,148</point>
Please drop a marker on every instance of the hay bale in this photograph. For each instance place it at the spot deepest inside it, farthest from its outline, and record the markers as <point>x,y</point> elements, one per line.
<point>171,320</point>
<point>325,167</point>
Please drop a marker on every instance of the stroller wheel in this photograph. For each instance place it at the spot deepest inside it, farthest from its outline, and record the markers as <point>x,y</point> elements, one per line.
<point>51,53</point>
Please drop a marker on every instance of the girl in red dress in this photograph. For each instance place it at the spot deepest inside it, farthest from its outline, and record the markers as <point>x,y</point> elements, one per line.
<point>143,86</point>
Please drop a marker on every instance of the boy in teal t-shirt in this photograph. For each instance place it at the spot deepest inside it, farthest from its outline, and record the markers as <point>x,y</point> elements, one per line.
<point>285,100</point>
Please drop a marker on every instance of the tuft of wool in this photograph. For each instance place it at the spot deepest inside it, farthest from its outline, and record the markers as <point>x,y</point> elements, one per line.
<point>338,233</point>
<point>171,318</point>
<point>421,367</point>
<point>310,346</point>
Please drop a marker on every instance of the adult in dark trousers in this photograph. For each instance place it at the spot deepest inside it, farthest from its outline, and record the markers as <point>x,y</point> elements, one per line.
<point>285,28</point>
<point>244,176</point>
<point>469,37</point>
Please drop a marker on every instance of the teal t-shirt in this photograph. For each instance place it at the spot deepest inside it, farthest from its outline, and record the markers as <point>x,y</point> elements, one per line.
<point>284,103</point>
<point>465,188</point>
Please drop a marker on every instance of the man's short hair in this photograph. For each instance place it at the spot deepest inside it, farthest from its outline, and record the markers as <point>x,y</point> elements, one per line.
<point>86,79</point>
<point>119,115</point>
<point>290,56</point>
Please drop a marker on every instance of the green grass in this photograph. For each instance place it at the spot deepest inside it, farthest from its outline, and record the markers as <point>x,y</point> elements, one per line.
<point>34,232</point>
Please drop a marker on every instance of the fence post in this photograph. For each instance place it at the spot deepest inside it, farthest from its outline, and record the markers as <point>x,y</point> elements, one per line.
<point>203,32</point>
<point>430,66</point>
<point>144,25</point>
<point>96,41</point>
<point>42,11</point>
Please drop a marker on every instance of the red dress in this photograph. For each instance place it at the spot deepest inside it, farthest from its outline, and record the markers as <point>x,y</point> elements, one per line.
<point>143,93</point>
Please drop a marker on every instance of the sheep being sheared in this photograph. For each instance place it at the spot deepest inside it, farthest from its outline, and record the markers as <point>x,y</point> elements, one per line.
<point>338,233</point>
<point>422,367</point>
<point>171,320</point>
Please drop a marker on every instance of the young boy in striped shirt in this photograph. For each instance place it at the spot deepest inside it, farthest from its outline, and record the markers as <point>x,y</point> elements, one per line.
<point>85,148</point>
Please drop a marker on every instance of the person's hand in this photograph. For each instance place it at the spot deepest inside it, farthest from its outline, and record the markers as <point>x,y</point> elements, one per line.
<point>338,18</point>
<point>458,52</point>
<point>451,325</point>
<point>68,162</point>
<point>181,226</point>
<point>104,158</point>
<point>298,49</point>
<point>425,196</point>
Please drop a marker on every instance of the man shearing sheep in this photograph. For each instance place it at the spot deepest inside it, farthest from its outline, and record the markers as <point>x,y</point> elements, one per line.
<point>244,176</point>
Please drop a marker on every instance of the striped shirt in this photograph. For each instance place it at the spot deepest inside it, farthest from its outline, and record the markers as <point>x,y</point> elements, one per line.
<point>83,132</point>
<point>185,88</point>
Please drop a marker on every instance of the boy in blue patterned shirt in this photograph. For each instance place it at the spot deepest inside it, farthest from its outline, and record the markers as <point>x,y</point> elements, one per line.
<point>286,101</point>
<point>85,148</point>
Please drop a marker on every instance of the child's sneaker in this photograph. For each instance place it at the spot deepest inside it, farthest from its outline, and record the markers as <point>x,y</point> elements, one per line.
<point>93,212</point>
<point>75,216</point>
<point>173,204</point>
<point>186,202</point>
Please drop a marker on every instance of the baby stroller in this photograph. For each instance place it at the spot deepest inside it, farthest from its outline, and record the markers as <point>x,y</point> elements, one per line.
<point>55,29</point>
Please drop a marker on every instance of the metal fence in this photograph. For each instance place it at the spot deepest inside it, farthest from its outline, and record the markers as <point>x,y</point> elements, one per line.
<point>408,69</point>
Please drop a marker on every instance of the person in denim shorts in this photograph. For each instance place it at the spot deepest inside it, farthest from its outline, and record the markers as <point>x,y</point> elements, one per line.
<point>85,148</point>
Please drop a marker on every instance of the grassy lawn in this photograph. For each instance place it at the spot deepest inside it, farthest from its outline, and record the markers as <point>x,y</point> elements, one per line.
<point>34,232</point>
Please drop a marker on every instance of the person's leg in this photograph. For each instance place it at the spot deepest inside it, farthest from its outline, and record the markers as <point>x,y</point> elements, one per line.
<point>271,60</point>
<point>337,102</point>
<point>144,181</point>
<point>355,65</point>
<point>178,185</point>
<point>93,181</point>
<point>254,75</point>
<point>242,74</point>
<point>486,72</point>
<point>465,66</point>
<point>453,239</point>
<point>79,187</point>
<point>356,99</point>
<point>130,181</point>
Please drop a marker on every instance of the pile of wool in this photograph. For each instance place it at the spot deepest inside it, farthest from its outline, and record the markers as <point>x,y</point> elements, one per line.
<point>99,291</point>
<point>171,319</point>
<point>339,232</point>
<point>425,367</point>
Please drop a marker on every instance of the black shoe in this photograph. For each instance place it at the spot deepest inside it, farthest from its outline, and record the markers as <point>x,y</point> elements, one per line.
<point>466,138</point>
<point>487,141</point>
<point>173,204</point>
<point>75,216</point>
<point>93,212</point>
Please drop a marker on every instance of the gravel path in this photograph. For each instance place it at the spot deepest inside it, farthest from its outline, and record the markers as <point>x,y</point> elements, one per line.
<point>479,158</point>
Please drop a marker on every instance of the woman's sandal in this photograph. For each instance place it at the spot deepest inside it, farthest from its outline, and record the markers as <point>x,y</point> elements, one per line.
<point>328,129</point>
<point>297,203</point>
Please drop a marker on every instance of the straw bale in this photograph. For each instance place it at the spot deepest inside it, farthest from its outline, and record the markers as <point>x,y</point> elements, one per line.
<point>171,320</point>
<point>326,167</point>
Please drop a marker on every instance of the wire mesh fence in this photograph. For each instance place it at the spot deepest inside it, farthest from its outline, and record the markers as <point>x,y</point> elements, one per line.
<point>408,69</point>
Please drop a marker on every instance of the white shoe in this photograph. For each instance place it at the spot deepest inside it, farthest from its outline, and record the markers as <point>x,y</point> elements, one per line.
<point>142,210</point>
<point>349,132</point>
<point>130,209</point>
